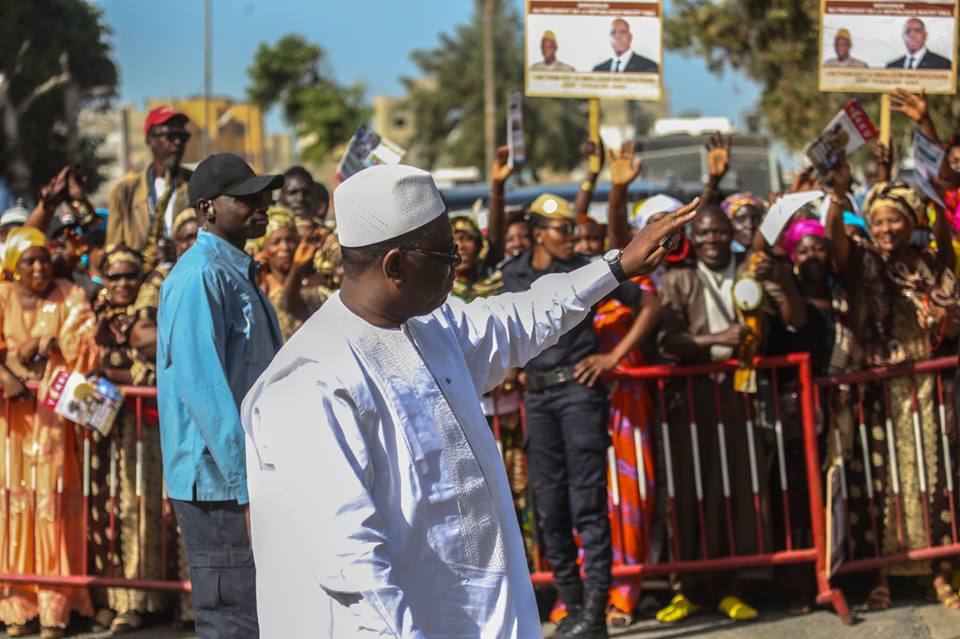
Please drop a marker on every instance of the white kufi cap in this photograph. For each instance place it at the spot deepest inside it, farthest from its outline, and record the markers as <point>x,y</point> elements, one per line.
<point>384,202</point>
<point>651,206</point>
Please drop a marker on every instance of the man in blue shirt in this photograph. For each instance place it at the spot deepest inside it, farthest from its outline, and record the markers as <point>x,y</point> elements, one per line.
<point>216,333</point>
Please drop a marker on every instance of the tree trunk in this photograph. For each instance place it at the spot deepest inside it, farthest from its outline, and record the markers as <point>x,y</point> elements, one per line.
<point>489,86</point>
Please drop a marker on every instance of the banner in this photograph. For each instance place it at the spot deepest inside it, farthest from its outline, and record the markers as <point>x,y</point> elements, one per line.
<point>847,131</point>
<point>367,148</point>
<point>611,49</point>
<point>879,46</point>
<point>927,158</point>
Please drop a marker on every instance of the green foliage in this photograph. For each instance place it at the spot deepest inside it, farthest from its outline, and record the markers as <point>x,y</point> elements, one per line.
<point>448,105</point>
<point>53,27</point>
<point>776,44</point>
<point>293,74</point>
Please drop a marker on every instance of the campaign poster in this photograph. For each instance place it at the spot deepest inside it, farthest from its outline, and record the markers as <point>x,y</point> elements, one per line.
<point>879,46</point>
<point>610,49</point>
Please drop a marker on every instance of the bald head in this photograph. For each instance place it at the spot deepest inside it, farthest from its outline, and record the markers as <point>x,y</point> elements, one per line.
<point>620,36</point>
<point>914,35</point>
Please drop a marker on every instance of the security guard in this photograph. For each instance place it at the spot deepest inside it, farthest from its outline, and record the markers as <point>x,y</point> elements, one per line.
<point>567,436</point>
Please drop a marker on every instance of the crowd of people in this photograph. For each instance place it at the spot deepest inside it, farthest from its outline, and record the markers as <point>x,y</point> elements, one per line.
<point>192,281</point>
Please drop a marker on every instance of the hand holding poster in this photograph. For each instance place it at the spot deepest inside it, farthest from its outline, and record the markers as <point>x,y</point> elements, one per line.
<point>927,158</point>
<point>611,49</point>
<point>367,148</point>
<point>879,45</point>
<point>92,403</point>
<point>782,212</point>
<point>847,131</point>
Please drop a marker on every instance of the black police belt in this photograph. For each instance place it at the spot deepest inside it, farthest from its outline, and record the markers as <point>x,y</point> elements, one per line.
<point>537,382</point>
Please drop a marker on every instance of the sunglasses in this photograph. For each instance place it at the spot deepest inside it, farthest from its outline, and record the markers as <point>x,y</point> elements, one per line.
<point>563,229</point>
<point>116,277</point>
<point>173,136</point>
<point>452,256</point>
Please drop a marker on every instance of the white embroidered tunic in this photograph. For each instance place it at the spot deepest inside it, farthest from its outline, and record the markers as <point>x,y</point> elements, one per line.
<point>380,506</point>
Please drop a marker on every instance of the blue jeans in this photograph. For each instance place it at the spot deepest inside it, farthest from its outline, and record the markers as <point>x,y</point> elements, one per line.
<point>222,573</point>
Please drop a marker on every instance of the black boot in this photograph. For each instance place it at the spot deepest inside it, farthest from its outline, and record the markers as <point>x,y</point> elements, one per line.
<point>591,623</point>
<point>572,597</point>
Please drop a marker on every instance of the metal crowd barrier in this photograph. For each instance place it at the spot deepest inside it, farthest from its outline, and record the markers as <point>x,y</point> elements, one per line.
<point>138,399</point>
<point>785,551</point>
<point>790,551</point>
<point>945,421</point>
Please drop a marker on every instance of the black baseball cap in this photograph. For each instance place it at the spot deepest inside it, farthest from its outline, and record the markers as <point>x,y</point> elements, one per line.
<point>227,174</point>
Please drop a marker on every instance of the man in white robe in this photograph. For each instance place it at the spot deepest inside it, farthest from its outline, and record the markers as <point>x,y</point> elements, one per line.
<point>379,501</point>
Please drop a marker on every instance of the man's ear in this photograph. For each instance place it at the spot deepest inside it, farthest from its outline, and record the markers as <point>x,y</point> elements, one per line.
<point>393,265</point>
<point>205,210</point>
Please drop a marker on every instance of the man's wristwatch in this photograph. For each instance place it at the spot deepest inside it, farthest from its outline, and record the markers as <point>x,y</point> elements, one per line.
<point>612,258</point>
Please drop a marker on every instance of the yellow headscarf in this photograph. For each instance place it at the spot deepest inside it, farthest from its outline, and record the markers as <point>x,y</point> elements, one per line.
<point>183,216</point>
<point>278,217</point>
<point>895,195</point>
<point>122,253</point>
<point>19,240</point>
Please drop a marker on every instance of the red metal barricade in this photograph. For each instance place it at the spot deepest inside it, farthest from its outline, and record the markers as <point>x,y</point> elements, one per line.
<point>790,551</point>
<point>874,426</point>
<point>139,402</point>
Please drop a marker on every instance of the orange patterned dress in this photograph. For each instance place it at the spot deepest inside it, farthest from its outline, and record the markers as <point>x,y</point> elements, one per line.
<point>38,452</point>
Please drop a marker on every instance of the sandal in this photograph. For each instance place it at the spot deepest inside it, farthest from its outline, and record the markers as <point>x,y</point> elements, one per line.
<point>126,622</point>
<point>946,595</point>
<point>618,618</point>
<point>878,599</point>
<point>23,629</point>
<point>52,632</point>
<point>736,609</point>
<point>679,609</point>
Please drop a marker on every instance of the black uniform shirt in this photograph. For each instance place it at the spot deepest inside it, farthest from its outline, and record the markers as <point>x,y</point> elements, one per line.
<point>581,341</point>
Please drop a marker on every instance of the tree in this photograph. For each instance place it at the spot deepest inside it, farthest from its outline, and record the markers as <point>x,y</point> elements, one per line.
<point>54,60</point>
<point>293,73</point>
<point>776,44</point>
<point>448,101</point>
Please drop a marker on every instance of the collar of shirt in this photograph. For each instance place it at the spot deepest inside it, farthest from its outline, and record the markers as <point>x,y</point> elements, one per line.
<point>917,57</point>
<point>624,60</point>
<point>230,254</point>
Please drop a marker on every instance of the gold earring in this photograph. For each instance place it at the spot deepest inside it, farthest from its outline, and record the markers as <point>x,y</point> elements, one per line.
<point>539,240</point>
<point>16,276</point>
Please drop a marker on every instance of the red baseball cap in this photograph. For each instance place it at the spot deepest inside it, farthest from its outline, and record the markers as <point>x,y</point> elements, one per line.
<point>162,115</point>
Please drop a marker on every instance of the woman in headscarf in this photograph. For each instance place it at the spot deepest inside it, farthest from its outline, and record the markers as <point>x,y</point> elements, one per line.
<point>139,551</point>
<point>906,301</point>
<point>289,260</point>
<point>46,325</point>
<point>745,211</point>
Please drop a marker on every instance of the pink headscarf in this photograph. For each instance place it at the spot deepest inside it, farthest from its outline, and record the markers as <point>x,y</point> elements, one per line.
<point>796,232</point>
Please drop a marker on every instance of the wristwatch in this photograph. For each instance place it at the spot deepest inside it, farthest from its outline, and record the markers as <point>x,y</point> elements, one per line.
<point>612,258</point>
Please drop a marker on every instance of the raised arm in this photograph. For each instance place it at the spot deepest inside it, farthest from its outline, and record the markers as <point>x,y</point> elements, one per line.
<point>839,184</point>
<point>290,299</point>
<point>718,161</point>
<point>496,221</point>
<point>914,106</point>
<point>589,149</point>
<point>509,330</point>
<point>624,169</point>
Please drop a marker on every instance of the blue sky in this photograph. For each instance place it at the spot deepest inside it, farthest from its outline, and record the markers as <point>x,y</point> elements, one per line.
<point>159,47</point>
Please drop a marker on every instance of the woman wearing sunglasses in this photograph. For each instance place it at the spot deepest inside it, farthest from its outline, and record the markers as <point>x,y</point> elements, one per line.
<point>122,609</point>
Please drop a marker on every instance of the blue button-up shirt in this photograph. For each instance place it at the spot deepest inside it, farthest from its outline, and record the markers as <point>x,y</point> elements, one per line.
<point>216,333</point>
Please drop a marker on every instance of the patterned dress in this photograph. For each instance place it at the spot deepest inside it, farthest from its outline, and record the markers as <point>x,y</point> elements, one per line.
<point>40,449</point>
<point>888,296</point>
<point>137,551</point>
<point>631,420</point>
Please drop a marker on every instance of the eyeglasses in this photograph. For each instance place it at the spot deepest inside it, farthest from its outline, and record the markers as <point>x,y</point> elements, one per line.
<point>452,256</point>
<point>116,277</point>
<point>563,229</point>
<point>172,136</point>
